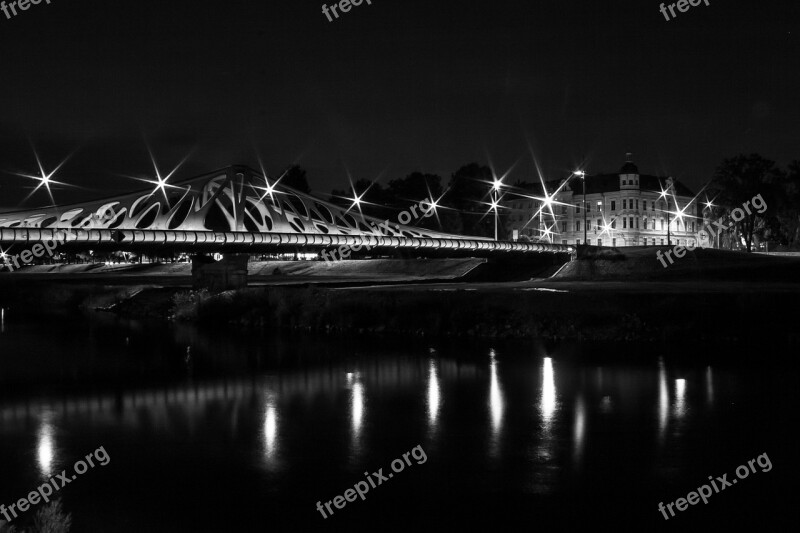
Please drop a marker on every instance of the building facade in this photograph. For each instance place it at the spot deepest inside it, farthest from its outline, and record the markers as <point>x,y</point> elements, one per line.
<point>622,209</point>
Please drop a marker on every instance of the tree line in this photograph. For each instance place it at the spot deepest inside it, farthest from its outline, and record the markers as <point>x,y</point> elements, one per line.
<point>464,201</point>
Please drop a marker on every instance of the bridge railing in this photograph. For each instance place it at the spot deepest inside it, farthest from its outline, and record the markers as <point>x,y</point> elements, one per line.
<point>188,241</point>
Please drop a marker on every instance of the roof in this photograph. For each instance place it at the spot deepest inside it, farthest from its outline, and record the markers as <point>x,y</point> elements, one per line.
<point>605,183</point>
<point>602,183</point>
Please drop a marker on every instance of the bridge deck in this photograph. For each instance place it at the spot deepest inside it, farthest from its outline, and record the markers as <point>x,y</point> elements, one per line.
<point>201,241</point>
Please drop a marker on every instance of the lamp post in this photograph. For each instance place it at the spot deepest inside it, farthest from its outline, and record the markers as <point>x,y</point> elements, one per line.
<point>710,210</point>
<point>496,184</point>
<point>665,195</point>
<point>582,174</point>
<point>669,238</point>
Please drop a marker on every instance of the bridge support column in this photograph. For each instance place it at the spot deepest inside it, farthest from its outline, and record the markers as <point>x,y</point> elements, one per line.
<point>229,273</point>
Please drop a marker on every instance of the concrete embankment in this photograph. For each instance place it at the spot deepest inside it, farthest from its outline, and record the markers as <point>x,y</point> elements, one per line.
<point>652,263</point>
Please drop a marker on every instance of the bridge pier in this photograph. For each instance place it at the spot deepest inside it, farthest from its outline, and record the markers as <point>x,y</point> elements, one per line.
<point>229,273</point>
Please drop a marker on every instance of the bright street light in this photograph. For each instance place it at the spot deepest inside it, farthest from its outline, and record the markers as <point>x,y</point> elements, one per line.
<point>582,174</point>
<point>496,184</point>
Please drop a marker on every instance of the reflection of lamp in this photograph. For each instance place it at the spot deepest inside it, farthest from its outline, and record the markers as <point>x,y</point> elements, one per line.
<point>548,404</point>
<point>45,448</point>
<point>358,405</point>
<point>580,424</point>
<point>495,397</point>
<point>663,398</point>
<point>680,397</point>
<point>433,393</point>
<point>270,429</point>
<point>709,386</point>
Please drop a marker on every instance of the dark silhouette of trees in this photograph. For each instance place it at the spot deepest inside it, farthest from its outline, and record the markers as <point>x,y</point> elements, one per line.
<point>295,177</point>
<point>740,179</point>
<point>788,206</point>
<point>411,190</point>
<point>469,194</point>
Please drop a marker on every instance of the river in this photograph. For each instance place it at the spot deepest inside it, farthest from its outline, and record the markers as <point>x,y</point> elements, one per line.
<point>220,430</point>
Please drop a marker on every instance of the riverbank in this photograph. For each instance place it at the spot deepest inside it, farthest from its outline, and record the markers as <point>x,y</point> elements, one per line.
<point>610,295</point>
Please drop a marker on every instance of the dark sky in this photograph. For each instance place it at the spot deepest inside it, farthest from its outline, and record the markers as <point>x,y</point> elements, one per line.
<point>392,87</point>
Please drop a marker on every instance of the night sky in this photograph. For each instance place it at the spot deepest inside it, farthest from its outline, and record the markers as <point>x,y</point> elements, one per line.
<point>391,88</point>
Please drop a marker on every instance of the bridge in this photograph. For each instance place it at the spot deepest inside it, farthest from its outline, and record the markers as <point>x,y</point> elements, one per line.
<point>235,210</point>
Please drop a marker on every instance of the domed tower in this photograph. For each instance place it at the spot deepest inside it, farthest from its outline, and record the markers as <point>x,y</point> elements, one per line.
<point>628,174</point>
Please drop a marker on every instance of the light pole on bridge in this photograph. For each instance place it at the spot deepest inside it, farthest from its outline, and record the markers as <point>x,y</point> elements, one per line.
<point>582,174</point>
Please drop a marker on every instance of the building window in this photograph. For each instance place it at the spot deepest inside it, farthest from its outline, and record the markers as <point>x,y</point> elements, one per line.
<point>693,227</point>
<point>662,242</point>
<point>578,208</point>
<point>599,222</point>
<point>613,205</point>
<point>599,242</point>
<point>637,222</point>
<point>577,241</point>
<point>563,210</point>
<point>624,223</point>
<point>624,204</point>
<point>578,226</point>
<point>631,222</point>
<point>644,205</point>
<point>614,224</point>
<point>599,206</point>
<point>645,224</point>
<point>564,241</point>
<point>637,204</point>
<point>613,242</point>
<point>563,228</point>
<point>661,224</point>
<point>653,207</point>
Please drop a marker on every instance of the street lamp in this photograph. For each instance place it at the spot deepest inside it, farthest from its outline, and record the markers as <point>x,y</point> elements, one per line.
<point>496,184</point>
<point>582,174</point>
<point>665,195</point>
<point>710,209</point>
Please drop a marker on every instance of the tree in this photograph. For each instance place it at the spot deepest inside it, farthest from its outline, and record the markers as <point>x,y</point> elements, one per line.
<point>295,177</point>
<point>373,199</point>
<point>413,189</point>
<point>738,181</point>
<point>788,206</point>
<point>469,194</point>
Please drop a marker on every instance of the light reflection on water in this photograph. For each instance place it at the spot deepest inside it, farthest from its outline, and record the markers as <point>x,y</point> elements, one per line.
<point>434,396</point>
<point>45,450</point>
<point>357,406</point>
<point>709,386</point>
<point>663,400</point>
<point>495,403</point>
<point>296,422</point>
<point>680,398</point>
<point>548,402</point>
<point>271,432</point>
<point>580,427</point>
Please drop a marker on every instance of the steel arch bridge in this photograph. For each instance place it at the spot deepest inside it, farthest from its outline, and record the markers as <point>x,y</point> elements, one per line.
<point>233,210</point>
